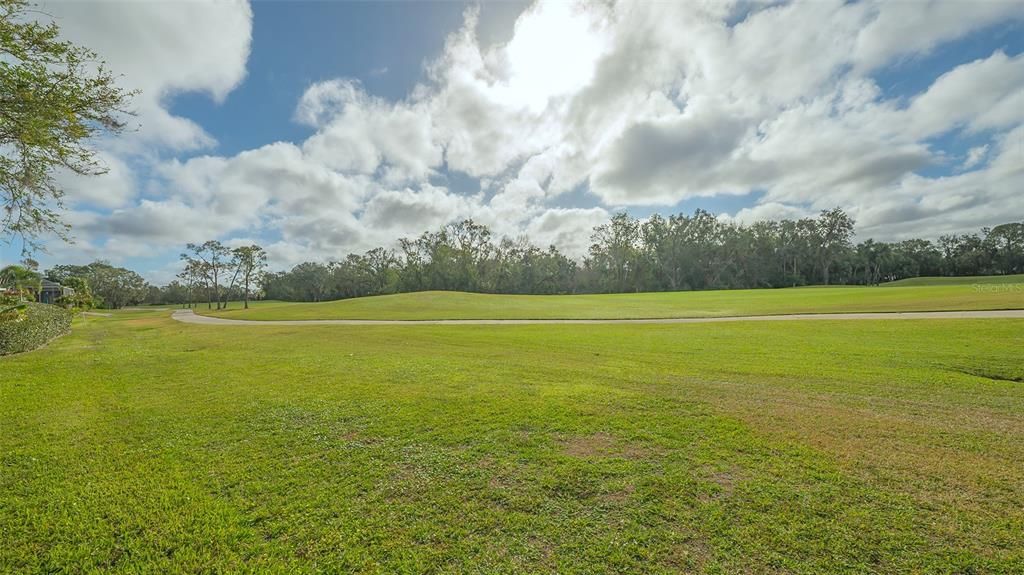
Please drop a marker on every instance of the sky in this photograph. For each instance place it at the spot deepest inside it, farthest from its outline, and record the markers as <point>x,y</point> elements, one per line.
<point>324,128</point>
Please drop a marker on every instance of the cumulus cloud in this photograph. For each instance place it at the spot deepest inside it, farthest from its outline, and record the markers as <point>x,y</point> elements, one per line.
<point>955,100</point>
<point>113,189</point>
<point>900,29</point>
<point>639,104</point>
<point>567,228</point>
<point>413,211</point>
<point>668,160</point>
<point>361,134</point>
<point>162,49</point>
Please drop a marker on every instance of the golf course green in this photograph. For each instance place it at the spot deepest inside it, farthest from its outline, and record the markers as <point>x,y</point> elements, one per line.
<point>142,444</point>
<point>719,303</point>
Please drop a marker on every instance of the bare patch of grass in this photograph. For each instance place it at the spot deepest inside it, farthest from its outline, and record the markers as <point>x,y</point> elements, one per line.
<point>604,445</point>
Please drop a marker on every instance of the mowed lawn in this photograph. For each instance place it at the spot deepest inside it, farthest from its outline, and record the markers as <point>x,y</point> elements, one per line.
<point>139,444</point>
<point>720,303</point>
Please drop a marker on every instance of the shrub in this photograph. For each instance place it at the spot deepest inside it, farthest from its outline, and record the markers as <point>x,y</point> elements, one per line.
<point>32,327</point>
<point>76,302</point>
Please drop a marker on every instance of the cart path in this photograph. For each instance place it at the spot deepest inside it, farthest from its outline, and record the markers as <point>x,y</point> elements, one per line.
<point>187,316</point>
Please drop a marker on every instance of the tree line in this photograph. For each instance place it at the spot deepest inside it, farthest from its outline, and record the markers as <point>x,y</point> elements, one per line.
<point>101,284</point>
<point>98,284</point>
<point>680,252</point>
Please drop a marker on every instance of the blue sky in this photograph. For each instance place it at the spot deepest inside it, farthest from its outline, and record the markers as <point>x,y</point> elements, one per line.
<point>317,129</point>
<point>295,44</point>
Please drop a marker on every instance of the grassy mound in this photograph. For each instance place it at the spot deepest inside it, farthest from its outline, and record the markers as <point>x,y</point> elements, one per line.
<point>38,324</point>
<point>720,303</point>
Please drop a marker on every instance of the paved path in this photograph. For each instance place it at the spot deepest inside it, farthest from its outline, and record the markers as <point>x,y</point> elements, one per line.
<point>187,316</point>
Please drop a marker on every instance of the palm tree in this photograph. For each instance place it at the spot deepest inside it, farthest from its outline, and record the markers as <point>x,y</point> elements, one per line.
<point>21,279</point>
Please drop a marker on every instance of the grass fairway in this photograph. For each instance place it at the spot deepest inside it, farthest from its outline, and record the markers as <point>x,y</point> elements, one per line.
<point>139,444</point>
<point>460,305</point>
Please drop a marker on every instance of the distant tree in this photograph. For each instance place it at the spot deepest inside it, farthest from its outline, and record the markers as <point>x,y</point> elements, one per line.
<point>278,285</point>
<point>875,261</point>
<point>835,229</point>
<point>192,278</point>
<point>916,257</point>
<point>614,252</point>
<point>185,281</point>
<point>553,273</point>
<point>174,293</point>
<point>312,280</point>
<point>61,273</point>
<point>199,274</point>
<point>212,259</point>
<point>383,268</point>
<point>1008,242</point>
<point>706,236</point>
<point>664,250</point>
<point>950,246</point>
<point>415,256</point>
<point>81,299</point>
<point>78,284</point>
<point>110,286</point>
<point>232,266</point>
<point>55,98</point>
<point>115,287</point>
<point>470,248</point>
<point>965,254</point>
<point>761,255</point>
<point>251,261</point>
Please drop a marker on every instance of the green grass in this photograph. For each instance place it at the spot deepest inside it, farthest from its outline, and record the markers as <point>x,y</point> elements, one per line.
<point>949,281</point>
<point>139,444</point>
<point>460,305</point>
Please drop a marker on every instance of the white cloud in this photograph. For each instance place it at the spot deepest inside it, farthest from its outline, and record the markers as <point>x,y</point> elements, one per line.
<point>768,211</point>
<point>666,160</point>
<point>322,100</point>
<point>955,100</point>
<point>905,28</point>
<point>162,49</point>
<point>360,134</point>
<point>113,189</point>
<point>413,211</point>
<point>923,207</point>
<point>553,53</point>
<point>567,228</point>
<point>974,156</point>
<point>639,103</point>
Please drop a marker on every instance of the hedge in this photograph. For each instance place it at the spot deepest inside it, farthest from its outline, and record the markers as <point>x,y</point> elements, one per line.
<point>37,324</point>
